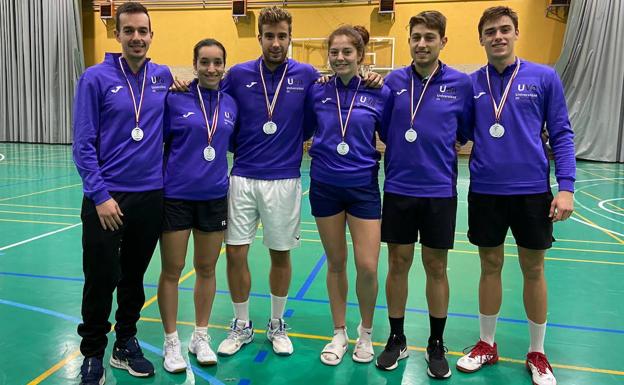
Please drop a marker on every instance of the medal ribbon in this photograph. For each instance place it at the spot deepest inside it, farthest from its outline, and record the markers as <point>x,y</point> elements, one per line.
<point>271,106</point>
<point>343,125</point>
<point>137,110</point>
<point>415,110</point>
<point>498,109</point>
<point>211,129</point>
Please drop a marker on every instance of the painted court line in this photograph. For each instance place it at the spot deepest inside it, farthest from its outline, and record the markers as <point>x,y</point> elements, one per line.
<point>39,237</point>
<point>311,277</point>
<point>413,348</point>
<point>40,192</point>
<point>325,301</point>
<point>212,380</point>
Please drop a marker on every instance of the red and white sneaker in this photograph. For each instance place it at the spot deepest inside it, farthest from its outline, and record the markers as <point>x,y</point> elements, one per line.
<point>539,367</point>
<point>480,354</point>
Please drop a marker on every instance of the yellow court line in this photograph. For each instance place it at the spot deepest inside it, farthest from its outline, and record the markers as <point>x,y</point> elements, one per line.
<point>43,214</point>
<point>7,178</point>
<point>562,248</point>
<point>306,192</point>
<point>76,353</point>
<point>600,199</point>
<point>413,348</point>
<point>458,251</point>
<point>602,176</point>
<point>41,192</point>
<point>55,367</point>
<point>40,207</point>
<point>36,222</point>
<point>552,248</point>
<point>592,223</point>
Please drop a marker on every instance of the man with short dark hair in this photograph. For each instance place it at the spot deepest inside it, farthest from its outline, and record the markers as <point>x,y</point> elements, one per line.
<point>514,99</point>
<point>433,105</point>
<point>118,117</point>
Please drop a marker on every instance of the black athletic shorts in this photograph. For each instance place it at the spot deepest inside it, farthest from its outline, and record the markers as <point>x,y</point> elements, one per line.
<point>207,216</point>
<point>404,217</point>
<point>490,216</point>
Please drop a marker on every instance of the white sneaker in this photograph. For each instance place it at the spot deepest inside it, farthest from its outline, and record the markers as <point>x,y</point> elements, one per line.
<point>539,367</point>
<point>200,347</point>
<point>277,334</point>
<point>173,361</point>
<point>241,333</point>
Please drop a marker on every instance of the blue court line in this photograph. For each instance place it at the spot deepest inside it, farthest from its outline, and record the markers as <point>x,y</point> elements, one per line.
<point>352,304</point>
<point>308,282</point>
<point>197,371</point>
<point>262,354</point>
<point>288,313</point>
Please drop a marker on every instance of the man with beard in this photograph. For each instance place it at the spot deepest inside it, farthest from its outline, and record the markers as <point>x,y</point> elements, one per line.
<point>118,117</point>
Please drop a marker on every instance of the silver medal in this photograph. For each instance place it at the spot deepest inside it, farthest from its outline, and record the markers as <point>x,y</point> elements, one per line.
<point>342,148</point>
<point>137,134</point>
<point>497,130</point>
<point>411,135</point>
<point>269,128</point>
<point>209,153</point>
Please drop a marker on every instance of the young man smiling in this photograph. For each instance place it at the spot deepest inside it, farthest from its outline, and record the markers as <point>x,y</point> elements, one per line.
<point>433,104</point>
<point>514,99</point>
<point>118,117</point>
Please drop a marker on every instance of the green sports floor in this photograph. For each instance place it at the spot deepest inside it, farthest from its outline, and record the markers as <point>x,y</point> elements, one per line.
<point>41,287</point>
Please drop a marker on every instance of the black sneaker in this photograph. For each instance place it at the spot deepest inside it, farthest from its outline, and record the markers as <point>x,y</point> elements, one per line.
<point>129,356</point>
<point>437,366</point>
<point>92,371</point>
<point>395,350</point>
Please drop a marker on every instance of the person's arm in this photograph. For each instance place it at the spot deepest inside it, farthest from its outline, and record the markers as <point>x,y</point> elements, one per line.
<point>386,118</point>
<point>561,139</point>
<point>309,115</point>
<point>465,125</point>
<point>86,129</point>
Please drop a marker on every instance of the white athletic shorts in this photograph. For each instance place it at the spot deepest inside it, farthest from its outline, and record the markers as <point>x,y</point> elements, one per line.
<point>275,203</point>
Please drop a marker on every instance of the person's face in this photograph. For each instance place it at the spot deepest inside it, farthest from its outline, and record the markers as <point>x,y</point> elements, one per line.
<point>425,45</point>
<point>343,56</point>
<point>498,38</point>
<point>134,35</point>
<point>274,41</point>
<point>210,66</point>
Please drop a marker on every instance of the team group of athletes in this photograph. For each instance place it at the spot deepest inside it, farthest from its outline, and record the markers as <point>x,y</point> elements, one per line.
<point>262,111</point>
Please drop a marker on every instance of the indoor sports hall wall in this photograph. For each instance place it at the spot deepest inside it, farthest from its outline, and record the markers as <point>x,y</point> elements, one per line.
<point>177,30</point>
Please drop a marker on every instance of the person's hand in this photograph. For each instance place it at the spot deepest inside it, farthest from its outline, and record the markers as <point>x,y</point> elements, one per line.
<point>324,79</point>
<point>458,147</point>
<point>110,215</point>
<point>180,85</point>
<point>373,80</point>
<point>562,206</point>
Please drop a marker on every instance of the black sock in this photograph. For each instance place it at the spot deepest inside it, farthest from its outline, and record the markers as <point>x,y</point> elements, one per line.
<point>396,325</point>
<point>436,326</point>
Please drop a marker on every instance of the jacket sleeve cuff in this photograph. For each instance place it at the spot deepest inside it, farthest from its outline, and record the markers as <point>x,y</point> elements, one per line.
<point>100,197</point>
<point>566,185</point>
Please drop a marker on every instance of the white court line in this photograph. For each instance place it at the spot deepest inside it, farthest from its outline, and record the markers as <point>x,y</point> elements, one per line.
<point>593,211</point>
<point>586,223</point>
<point>602,204</point>
<point>39,237</point>
<point>1,157</point>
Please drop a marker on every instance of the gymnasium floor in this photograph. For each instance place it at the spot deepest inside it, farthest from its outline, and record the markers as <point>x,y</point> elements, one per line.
<point>41,285</point>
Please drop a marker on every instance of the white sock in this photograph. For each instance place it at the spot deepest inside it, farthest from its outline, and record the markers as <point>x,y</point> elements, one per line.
<point>537,333</point>
<point>365,333</point>
<point>171,336</point>
<point>201,330</point>
<point>241,310</point>
<point>277,306</point>
<point>340,336</point>
<point>487,327</point>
